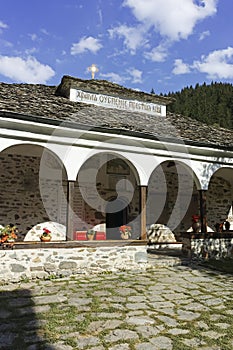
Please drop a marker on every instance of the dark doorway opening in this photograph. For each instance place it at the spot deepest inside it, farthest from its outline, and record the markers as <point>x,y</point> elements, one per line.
<point>116,216</point>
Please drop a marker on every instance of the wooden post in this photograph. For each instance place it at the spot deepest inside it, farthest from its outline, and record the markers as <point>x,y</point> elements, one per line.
<point>143,197</point>
<point>202,197</point>
<point>70,213</point>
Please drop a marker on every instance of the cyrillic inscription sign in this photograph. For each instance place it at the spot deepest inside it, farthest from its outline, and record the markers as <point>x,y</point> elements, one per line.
<point>117,102</point>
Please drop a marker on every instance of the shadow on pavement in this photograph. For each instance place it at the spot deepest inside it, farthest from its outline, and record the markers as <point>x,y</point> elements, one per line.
<point>221,266</point>
<point>19,326</point>
<point>166,252</point>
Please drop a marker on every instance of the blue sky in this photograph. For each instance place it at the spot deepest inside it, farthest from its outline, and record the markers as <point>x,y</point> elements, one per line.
<point>141,44</point>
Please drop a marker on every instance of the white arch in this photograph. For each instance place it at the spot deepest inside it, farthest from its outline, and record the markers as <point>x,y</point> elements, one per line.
<point>144,164</point>
<point>13,144</point>
<point>205,171</point>
<point>6,143</point>
<point>114,154</point>
<point>73,157</point>
<point>226,173</point>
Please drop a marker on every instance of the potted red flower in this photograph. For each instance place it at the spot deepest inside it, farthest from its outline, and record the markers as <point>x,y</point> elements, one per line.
<point>126,231</point>
<point>8,234</point>
<point>196,223</point>
<point>46,235</point>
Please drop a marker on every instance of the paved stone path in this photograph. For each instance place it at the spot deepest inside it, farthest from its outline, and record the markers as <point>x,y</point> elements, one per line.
<point>163,308</point>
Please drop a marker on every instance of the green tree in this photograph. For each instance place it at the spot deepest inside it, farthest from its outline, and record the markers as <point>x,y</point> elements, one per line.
<point>211,104</point>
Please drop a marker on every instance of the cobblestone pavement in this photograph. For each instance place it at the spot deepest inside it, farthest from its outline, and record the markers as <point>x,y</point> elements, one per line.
<point>163,308</point>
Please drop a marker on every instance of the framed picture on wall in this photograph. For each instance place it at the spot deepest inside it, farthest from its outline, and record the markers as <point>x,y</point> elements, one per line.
<point>117,166</point>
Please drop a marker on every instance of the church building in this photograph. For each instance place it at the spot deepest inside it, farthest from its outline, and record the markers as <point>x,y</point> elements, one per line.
<point>90,155</point>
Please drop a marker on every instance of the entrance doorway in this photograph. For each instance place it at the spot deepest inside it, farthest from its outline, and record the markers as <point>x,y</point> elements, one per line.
<point>116,216</point>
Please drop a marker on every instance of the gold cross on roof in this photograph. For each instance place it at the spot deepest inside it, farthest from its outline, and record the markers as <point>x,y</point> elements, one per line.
<point>93,69</point>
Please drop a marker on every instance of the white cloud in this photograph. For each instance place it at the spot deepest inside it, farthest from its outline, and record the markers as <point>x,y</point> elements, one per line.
<point>86,44</point>
<point>133,74</point>
<point>30,51</point>
<point>113,77</point>
<point>44,31</point>
<point>33,37</point>
<point>180,67</point>
<point>204,35</point>
<point>25,71</point>
<point>3,25</point>
<point>134,37</point>
<point>217,65</point>
<point>99,11</point>
<point>173,19</point>
<point>136,75</point>
<point>157,54</point>
<point>5,43</point>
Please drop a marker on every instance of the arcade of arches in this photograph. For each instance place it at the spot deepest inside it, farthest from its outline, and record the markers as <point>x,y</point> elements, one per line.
<point>34,188</point>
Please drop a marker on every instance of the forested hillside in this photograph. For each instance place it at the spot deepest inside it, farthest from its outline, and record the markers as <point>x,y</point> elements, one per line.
<point>211,104</point>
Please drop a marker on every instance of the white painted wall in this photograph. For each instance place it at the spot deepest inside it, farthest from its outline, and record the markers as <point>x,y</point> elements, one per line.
<point>74,147</point>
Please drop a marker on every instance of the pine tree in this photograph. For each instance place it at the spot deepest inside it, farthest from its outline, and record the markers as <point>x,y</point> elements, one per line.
<point>211,104</point>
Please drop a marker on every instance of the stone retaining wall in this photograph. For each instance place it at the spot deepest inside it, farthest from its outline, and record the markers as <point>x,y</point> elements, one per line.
<point>20,264</point>
<point>203,248</point>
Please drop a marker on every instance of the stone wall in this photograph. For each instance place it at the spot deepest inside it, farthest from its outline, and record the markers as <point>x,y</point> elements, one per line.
<point>19,264</point>
<point>216,247</point>
<point>24,198</point>
<point>218,200</point>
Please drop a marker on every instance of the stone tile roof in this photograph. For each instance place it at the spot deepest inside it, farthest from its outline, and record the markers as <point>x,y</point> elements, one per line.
<point>46,102</point>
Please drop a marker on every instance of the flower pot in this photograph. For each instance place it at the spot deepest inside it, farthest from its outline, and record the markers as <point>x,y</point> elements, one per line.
<point>196,226</point>
<point>125,231</point>
<point>45,238</point>
<point>90,237</point>
<point>124,236</point>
